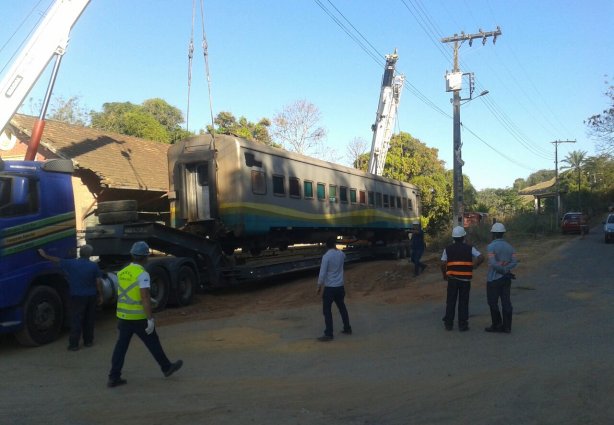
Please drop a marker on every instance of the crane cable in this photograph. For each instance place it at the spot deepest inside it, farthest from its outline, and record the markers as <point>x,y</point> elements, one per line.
<point>190,57</point>
<point>206,56</point>
<point>190,60</point>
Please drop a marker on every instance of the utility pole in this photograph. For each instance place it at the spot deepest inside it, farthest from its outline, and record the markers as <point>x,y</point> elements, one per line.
<point>453,84</point>
<point>556,174</point>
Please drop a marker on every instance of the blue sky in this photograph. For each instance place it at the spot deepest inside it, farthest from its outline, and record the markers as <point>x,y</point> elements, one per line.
<point>545,74</point>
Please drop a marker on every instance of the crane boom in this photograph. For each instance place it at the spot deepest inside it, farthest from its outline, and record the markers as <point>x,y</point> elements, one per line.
<point>49,39</point>
<point>385,118</point>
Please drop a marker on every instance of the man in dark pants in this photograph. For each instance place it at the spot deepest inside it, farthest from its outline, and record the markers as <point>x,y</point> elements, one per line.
<point>417,248</point>
<point>331,277</point>
<point>457,263</point>
<point>501,260</point>
<point>85,288</point>
<point>134,315</point>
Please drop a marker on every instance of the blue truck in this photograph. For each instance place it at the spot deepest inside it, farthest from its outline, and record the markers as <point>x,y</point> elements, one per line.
<point>36,210</point>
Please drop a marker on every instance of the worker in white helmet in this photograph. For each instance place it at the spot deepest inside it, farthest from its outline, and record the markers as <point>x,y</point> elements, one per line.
<point>457,263</point>
<point>501,261</point>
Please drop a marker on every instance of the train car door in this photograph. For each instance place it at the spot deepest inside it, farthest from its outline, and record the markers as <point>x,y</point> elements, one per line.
<point>198,192</point>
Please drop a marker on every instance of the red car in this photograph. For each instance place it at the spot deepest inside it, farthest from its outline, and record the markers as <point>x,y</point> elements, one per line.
<point>574,222</point>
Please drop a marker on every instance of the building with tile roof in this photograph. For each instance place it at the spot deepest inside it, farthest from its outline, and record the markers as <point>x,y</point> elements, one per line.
<point>108,166</point>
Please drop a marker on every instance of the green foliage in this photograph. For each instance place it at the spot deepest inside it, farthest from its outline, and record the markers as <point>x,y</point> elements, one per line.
<point>154,120</point>
<point>501,202</point>
<point>227,124</point>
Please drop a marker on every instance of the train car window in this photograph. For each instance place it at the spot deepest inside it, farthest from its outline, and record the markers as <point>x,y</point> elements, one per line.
<point>308,189</point>
<point>353,198</point>
<point>409,205</point>
<point>250,160</point>
<point>386,204</point>
<point>362,197</point>
<point>343,194</point>
<point>258,183</point>
<point>332,193</point>
<point>321,191</point>
<point>278,186</point>
<point>295,187</point>
<point>371,198</point>
<point>404,204</point>
<point>399,202</point>
<point>202,173</point>
<point>378,199</point>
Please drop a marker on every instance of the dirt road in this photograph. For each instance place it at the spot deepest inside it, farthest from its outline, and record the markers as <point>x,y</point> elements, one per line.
<point>251,356</point>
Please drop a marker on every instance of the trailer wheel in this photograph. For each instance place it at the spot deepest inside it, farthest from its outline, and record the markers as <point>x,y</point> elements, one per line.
<point>159,287</point>
<point>116,206</point>
<point>43,317</point>
<point>186,285</point>
<point>118,217</point>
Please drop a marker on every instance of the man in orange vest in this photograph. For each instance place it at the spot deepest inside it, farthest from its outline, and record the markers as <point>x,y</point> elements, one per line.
<point>457,263</point>
<point>134,315</point>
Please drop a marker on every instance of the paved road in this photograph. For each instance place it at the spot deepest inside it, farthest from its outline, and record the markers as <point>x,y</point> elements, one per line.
<point>399,367</point>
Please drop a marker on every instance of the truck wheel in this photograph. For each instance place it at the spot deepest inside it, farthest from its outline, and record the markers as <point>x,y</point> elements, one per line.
<point>43,317</point>
<point>160,284</point>
<point>118,217</point>
<point>186,285</point>
<point>116,206</point>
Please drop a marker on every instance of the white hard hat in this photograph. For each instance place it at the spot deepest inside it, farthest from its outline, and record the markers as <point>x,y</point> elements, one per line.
<point>458,232</point>
<point>497,228</point>
<point>140,249</point>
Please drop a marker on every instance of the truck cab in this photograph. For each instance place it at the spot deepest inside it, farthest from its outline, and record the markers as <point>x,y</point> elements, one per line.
<point>36,210</point>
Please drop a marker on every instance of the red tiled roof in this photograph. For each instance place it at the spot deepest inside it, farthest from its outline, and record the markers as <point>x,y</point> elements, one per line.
<point>121,162</point>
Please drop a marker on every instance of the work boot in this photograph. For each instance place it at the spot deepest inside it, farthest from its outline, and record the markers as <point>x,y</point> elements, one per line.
<point>112,383</point>
<point>507,323</point>
<point>174,367</point>
<point>494,328</point>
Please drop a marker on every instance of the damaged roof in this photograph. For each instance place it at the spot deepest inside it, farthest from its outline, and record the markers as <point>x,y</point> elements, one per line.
<point>121,162</point>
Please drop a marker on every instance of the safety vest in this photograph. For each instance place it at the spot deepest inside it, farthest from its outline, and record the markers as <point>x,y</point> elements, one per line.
<point>460,261</point>
<point>129,306</point>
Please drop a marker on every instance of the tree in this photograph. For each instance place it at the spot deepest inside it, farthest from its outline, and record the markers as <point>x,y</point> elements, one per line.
<point>154,119</point>
<point>296,128</point>
<point>575,161</point>
<point>356,152</point>
<point>227,124</point>
<point>601,126</point>
<point>409,157</point>
<point>68,110</point>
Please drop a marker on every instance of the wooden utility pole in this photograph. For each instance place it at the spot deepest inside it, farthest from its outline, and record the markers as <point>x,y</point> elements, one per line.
<point>454,84</point>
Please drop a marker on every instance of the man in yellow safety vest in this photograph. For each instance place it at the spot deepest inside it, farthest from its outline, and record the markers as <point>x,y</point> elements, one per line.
<point>134,313</point>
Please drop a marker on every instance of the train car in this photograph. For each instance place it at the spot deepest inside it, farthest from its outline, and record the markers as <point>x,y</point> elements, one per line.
<point>248,195</point>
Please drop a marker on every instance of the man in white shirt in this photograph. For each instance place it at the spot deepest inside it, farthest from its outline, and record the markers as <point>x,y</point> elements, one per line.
<point>331,278</point>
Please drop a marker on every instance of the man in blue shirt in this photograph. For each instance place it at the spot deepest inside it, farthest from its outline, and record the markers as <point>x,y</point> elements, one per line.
<point>85,288</point>
<point>331,277</point>
<point>501,260</point>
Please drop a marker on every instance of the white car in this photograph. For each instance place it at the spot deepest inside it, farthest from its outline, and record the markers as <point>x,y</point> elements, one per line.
<point>608,228</point>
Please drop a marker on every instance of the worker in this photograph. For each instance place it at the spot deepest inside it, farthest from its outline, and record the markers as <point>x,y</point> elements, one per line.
<point>457,263</point>
<point>501,261</point>
<point>85,289</point>
<point>134,313</point>
<point>331,278</point>
<point>417,248</point>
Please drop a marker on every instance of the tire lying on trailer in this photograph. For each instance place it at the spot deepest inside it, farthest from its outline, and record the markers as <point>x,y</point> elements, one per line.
<point>112,212</point>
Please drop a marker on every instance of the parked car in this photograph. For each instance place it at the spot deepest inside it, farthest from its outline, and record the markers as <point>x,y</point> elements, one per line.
<point>608,228</point>
<point>574,222</point>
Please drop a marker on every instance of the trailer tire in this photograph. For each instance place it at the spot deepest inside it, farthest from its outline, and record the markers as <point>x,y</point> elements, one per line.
<point>118,217</point>
<point>159,287</point>
<point>43,317</point>
<point>116,206</point>
<point>187,282</point>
